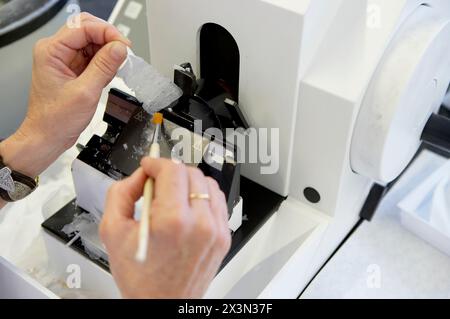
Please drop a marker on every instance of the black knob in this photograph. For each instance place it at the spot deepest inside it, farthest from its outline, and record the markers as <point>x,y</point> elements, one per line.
<point>437,132</point>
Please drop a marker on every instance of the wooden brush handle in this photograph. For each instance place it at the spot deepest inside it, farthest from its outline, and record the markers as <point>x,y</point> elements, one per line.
<point>144,226</point>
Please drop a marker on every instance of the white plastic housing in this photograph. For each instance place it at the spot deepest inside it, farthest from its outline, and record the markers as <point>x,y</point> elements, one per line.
<point>273,51</point>
<point>306,68</point>
<point>409,85</point>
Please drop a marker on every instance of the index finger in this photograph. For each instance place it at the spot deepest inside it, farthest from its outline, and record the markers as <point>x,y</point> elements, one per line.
<point>91,30</point>
<point>123,195</point>
<point>171,179</point>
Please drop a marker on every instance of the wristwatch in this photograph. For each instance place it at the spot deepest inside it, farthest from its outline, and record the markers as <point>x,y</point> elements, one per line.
<point>15,186</point>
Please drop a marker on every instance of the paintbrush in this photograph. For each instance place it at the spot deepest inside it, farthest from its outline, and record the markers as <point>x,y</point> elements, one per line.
<point>144,227</point>
<point>156,92</point>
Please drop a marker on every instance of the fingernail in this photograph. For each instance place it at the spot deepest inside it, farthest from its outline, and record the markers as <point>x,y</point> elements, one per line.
<point>128,42</point>
<point>118,51</point>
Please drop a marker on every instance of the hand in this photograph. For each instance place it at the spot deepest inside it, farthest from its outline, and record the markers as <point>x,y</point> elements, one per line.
<point>70,71</point>
<point>188,240</point>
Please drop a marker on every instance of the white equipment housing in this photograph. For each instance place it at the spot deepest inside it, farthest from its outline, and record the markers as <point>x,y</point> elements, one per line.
<point>349,84</point>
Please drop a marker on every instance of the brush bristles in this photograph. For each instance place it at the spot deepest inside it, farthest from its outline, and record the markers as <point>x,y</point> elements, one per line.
<point>157,119</point>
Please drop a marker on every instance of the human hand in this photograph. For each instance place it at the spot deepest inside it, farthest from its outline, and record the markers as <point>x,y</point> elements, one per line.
<point>188,239</point>
<point>70,70</point>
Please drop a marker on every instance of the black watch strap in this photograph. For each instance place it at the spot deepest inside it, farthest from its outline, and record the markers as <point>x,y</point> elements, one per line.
<point>15,186</point>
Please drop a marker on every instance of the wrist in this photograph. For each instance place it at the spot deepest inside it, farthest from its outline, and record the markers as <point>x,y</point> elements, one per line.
<point>29,152</point>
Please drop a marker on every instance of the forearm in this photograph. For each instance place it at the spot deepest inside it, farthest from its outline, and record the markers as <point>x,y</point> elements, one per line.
<point>29,153</point>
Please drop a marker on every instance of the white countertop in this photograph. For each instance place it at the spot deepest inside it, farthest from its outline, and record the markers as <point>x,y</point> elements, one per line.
<point>384,260</point>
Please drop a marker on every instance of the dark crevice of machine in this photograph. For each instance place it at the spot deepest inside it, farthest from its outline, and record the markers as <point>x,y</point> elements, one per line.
<point>219,61</point>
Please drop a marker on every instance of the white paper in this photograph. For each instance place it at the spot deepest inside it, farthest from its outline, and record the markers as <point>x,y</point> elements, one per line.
<point>440,205</point>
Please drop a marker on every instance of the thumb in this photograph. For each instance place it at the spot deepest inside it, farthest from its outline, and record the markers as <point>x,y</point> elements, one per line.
<point>104,65</point>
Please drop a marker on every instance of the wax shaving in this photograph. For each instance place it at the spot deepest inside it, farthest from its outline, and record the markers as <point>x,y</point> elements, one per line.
<point>155,91</point>
<point>141,149</point>
<point>85,227</point>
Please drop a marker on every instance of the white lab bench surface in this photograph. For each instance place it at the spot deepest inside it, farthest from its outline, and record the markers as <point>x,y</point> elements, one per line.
<point>382,259</point>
